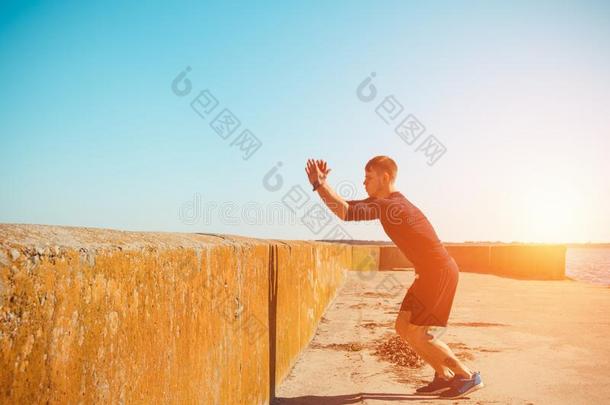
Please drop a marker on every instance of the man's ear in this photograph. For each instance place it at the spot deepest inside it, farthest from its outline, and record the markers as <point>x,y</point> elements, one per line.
<point>386,177</point>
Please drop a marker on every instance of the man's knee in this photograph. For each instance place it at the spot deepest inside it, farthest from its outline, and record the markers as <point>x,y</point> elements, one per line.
<point>408,331</point>
<point>400,324</point>
<point>403,325</point>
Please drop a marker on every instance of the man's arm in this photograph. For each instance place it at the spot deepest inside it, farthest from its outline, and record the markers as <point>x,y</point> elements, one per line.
<point>333,200</point>
<point>317,171</point>
<point>353,210</point>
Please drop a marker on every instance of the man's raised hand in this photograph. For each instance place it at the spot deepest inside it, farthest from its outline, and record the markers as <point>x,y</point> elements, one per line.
<point>317,170</point>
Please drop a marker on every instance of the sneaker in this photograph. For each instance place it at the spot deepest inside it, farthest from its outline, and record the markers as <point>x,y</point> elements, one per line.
<point>460,387</point>
<point>438,385</point>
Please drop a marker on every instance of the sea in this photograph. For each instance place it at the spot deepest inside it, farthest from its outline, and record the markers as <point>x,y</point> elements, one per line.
<point>591,265</point>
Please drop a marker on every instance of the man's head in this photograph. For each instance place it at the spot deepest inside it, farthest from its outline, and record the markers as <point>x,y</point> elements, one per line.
<point>380,173</point>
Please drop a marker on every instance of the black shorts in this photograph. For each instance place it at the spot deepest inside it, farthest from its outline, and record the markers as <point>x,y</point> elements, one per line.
<point>430,297</point>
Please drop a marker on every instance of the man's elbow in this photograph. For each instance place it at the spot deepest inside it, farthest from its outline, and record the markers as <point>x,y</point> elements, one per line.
<point>340,210</point>
<point>343,215</point>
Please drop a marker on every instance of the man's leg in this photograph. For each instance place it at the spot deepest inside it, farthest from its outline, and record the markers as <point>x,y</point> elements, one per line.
<point>439,353</point>
<point>443,290</point>
<point>408,332</point>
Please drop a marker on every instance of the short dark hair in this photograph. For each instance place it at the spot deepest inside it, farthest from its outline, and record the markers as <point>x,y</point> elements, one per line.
<point>383,164</point>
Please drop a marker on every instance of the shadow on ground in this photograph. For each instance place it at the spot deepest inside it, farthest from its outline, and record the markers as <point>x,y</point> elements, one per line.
<point>349,398</point>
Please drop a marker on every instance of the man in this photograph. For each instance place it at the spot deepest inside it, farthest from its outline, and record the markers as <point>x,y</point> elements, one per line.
<point>429,299</point>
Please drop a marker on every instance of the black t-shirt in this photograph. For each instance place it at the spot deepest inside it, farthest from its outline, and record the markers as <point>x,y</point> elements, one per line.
<point>406,226</point>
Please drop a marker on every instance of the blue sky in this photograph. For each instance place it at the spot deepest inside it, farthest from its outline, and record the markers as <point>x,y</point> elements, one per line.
<point>91,133</point>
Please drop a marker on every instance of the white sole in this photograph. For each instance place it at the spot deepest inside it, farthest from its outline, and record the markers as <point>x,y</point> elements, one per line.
<point>474,388</point>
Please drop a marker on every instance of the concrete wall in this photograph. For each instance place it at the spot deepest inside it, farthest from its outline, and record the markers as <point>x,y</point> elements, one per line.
<point>543,262</point>
<point>525,261</point>
<point>93,315</point>
<point>471,258</point>
<point>392,258</point>
<point>365,257</point>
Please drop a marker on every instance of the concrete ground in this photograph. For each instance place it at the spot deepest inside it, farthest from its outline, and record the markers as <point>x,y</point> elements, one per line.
<point>533,341</point>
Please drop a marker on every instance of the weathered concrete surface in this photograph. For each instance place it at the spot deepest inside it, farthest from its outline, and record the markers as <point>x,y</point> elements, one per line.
<point>102,316</point>
<point>529,261</point>
<point>95,315</point>
<point>535,342</point>
<point>471,258</point>
<point>365,257</point>
<point>390,257</point>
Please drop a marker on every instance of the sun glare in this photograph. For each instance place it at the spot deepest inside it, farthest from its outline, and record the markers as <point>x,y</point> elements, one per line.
<point>547,212</point>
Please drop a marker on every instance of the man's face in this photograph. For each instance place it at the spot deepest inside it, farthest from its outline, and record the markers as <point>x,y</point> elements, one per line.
<point>373,182</point>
